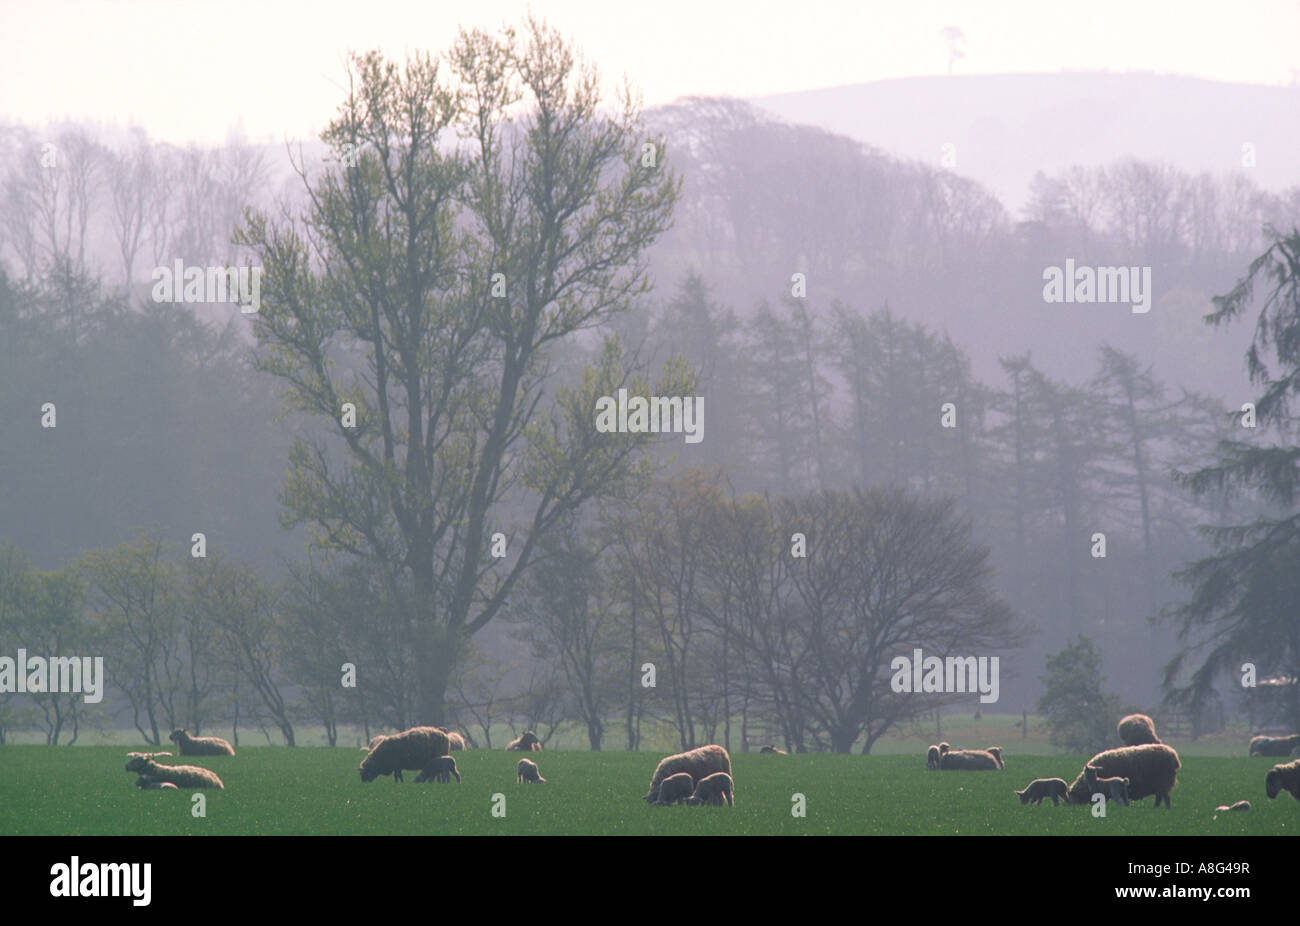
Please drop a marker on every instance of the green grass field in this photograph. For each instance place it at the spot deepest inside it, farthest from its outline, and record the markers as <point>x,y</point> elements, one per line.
<point>276,791</point>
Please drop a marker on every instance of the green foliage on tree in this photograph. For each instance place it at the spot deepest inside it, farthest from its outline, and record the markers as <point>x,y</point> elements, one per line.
<point>1080,714</point>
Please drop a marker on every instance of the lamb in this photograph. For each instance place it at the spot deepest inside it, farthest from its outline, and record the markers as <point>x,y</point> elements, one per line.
<point>771,750</point>
<point>1151,768</point>
<point>996,752</point>
<point>1115,789</point>
<point>1274,745</point>
<point>675,789</point>
<point>712,790</point>
<point>1039,788</point>
<point>1283,778</point>
<point>412,749</point>
<point>529,772</point>
<point>183,776</point>
<point>1240,805</point>
<point>1137,730</point>
<point>969,760</point>
<point>932,757</point>
<point>145,783</point>
<point>526,742</point>
<point>201,745</point>
<point>440,769</point>
<point>700,763</point>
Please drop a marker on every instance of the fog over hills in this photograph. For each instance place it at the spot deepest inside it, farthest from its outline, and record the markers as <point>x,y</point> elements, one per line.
<point>1006,127</point>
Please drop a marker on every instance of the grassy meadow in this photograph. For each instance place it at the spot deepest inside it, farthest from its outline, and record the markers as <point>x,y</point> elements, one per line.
<point>276,791</point>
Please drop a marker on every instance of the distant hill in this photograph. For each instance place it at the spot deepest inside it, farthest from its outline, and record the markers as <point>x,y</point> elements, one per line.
<point>1005,127</point>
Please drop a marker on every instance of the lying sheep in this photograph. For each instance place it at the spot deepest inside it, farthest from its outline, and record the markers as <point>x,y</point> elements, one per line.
<point>968,760</point>
<point>1274,745</point>
<point>1151,768</point>
<point>1283,778</point>
<point>771,750</point>
<point>932,757</point>
<point>529,773</point>
<point>1240,805</point>
<point>183,776</point>
<point>526,742</point>
<point>699,763</point>
<point>144,783</point>
<point>1137,730</point>
<point>440,769</point>
<point>412,749</point>
<point>1040,788</point>
<point>996,752</point>
<point>675,789</point>
<point>1115,789</point>
<point>712,790</point>
<point>201,745</point>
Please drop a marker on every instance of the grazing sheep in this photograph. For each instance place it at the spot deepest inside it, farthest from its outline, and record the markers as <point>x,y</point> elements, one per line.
<point>771,750</point>
<point>1151,768</point>
<point>1276,746</point>
<point>412,749</point>
<point>374,741</point>
<point>675,789</point>
<point>145,783</point>
<point>1115,789</point>
<point>1240,805</point>
<point>529,773</point>
<point>712,790</point>
<point>526,742</point>
<point>440,769</point>
<point>201,745</point>
<point>996,752</point>
<point>1137,730</point>
<point>1039,788</point>
<point>1283,777</point>
<point>183,776</point>
<point>699,763</point>
<point>969,760</point>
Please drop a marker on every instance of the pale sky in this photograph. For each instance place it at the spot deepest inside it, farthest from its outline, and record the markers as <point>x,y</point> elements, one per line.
<point>187,71</point>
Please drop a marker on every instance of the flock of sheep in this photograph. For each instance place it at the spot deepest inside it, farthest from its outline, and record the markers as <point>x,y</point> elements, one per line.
<point>1143,766</point>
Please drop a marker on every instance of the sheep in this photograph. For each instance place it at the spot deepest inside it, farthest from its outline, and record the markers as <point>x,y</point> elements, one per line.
<point>456,742</point>
<point>440,769</point>
<point>996,752</point>
<point>699,762</point>
<point>969,760</point>
<point>1283,777</point>
<point>675,789</point>
<point>374,741</point>
<point>1040,788</point>
<point>145,783</point>
<point>1137,730</point>
<point>1115,789</point>
<point>526,742</point>
<point>712,790</point>
<point>412,749</point>
<point>932,757</point>
<point>771,750</point>
<point>183,776</point>
<point>1151,768</point>
<point>201,745</point>
<point>1240,805</point>
<point>1274,745</point>
<point>529,772</point>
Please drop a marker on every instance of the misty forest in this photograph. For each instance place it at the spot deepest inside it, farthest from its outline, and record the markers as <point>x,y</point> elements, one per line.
<point>365,487</point>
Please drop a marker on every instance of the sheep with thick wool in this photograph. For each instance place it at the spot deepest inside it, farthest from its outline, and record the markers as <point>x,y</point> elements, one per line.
<point>1137,730</point>
<point>1283,778</point>
<point>411,750</point>
<point>529,773</point>
<point>1151,768</point>
<point>183,776</point>
<point>713,790</point>
<point>440,769</point>
<point>1275,746</point>
<point>967,760</point>
<point>675,789</point>
<point>698,763</point>
<point>201,745</point>
<point>525,742</point>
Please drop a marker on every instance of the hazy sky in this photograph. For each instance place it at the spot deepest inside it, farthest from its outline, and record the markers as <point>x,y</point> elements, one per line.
<point>189,70</point>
